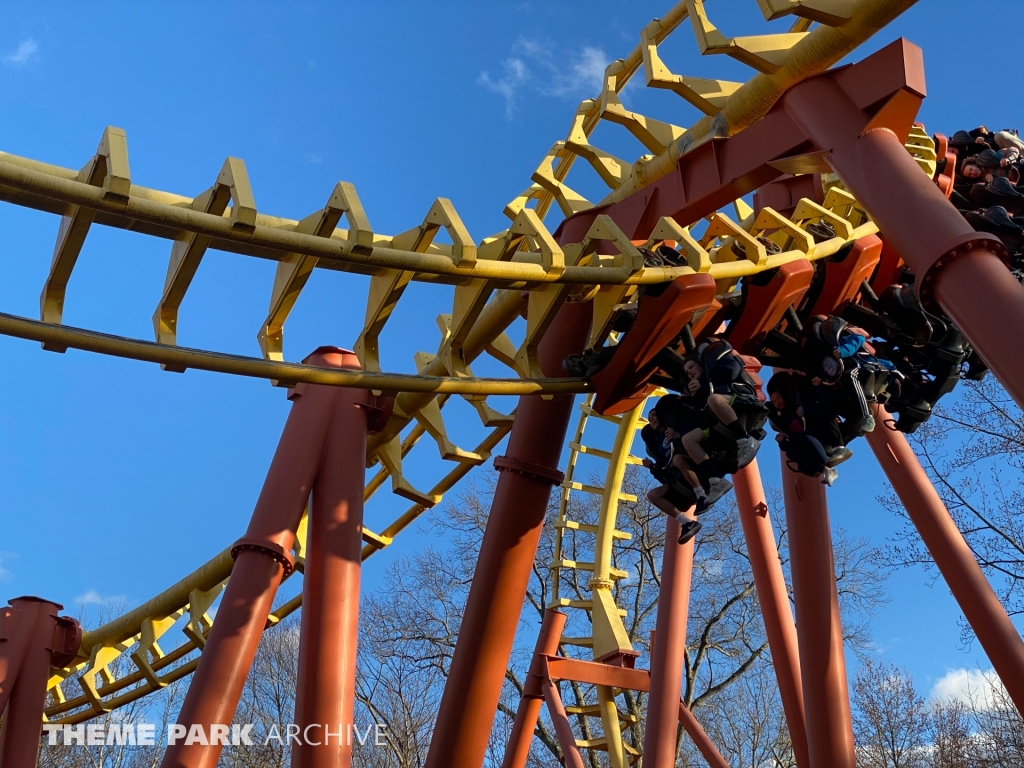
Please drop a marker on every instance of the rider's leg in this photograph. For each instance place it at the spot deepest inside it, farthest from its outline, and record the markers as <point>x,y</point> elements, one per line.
<point>658,497</point>
<point>688,471</point>
<point>692,444</point>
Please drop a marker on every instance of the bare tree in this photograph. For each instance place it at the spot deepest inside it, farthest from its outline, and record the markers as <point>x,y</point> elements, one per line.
<point>891,722</point>
<point>953,742</point>
<point>746,723</point>
<point>998,727</point>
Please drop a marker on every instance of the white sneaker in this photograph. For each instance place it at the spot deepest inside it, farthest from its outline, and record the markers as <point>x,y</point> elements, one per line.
<point>748,448</point>
<point>829,476</point>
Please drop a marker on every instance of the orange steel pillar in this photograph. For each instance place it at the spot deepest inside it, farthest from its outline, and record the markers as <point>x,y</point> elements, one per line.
<point>700,738</point>
<point>563,730</point>
<point>957,269</point>
<point>519,741</point>
<point>952,555</point>
<point>667,656</point>
<point>822,661</point>
<point>774,600</point>
<point>528,470</point>
<point>32,639</point>
<point>325,695</point>
<point>263,557</point>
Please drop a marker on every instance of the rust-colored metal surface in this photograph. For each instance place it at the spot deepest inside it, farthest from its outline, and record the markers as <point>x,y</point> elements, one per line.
<point>521,737</point>
<point>952,555</point>
<point>33,637</point>
<point>329,634</point>
<point>663,708</point>
<point>773,597</point>
<point>321,418</point>
<point>818,625</point>
<point>506,558</point>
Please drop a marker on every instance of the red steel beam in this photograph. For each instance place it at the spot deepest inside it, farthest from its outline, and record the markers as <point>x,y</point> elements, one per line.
<point>518,750</point>
<point>700,738</point>
<point>563,729</point>
<point>818,626</point>
<point>958,270</point>
<point>773,597</point>
<point>667,656</point>
<point>507,552</point>
<point>952,555</point>
<point>261,558</point>
<point>325,694</point>
<point>32,639</point>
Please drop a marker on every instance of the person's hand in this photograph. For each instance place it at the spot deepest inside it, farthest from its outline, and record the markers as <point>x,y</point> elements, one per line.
<point>779,438</point>
<point>836,354</point>
<point>979,140</point>
<point>648,463</point>
<point>816,380</point>
<point>671,434</point>
<point>694,386</point>
<point>800,412</point>
<point>1006,161</point>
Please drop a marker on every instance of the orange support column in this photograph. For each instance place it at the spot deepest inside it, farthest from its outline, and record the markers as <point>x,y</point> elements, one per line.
<point>563,730</point>
<point>952,556</point>
<point>528,470</point>
<point>32,639</point>
<point>700,738</point>
<point>773,597</point>
<point>667,656</point>
<point>818,626</point>
<point>325,695</point>
<point>518,750</point>
<point>263,558</point>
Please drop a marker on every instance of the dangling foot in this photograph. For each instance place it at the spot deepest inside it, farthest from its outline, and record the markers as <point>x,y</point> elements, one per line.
<point>839,455</point>
<point>748,448</point>
<point>829,476</point>
<point>717,488</point>
<point>688,530</point>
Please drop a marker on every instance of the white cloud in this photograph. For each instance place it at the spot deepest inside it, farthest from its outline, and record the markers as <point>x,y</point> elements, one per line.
<point>585,75</point>
<point>26,52</point>
<point>539,66</point>
<point>5,575</point>
<point>92,597</point>
<point>967,685</point>
<point>516,75</point>
<point>312,158</point>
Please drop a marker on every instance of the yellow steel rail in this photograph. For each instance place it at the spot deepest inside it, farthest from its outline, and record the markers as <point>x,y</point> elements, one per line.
<point>608,633</point>
<point>182,358</point>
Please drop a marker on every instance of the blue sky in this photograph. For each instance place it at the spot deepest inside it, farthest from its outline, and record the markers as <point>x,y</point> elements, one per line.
<point>116,478</point>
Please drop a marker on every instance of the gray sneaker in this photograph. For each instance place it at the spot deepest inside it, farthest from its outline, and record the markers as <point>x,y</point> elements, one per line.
<point>748,448</point>
<point>838,456</point>
<point>718,487</point>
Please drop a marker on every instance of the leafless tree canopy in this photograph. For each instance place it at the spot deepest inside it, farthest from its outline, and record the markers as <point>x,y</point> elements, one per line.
<point>891,721</point>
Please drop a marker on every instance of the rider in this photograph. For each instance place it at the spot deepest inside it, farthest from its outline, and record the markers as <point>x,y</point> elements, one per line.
<point>667,464</point>
<point>809,436</point>
<point>714,382</point>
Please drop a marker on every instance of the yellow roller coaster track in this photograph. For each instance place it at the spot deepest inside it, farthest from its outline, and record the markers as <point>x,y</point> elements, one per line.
<point>519,272</point>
